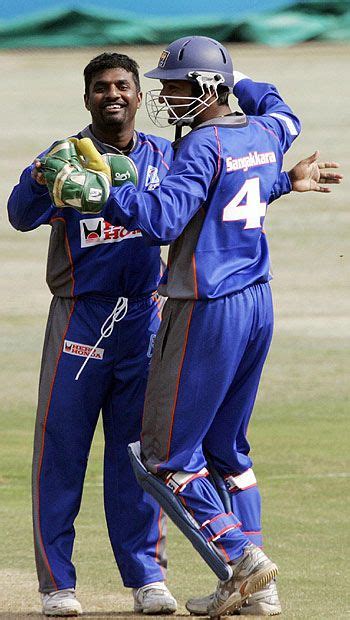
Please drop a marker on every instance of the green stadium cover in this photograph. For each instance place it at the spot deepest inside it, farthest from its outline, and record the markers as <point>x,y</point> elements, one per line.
<point>273,23</point>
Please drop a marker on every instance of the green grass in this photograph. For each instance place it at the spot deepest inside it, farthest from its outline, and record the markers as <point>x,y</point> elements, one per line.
<point>300,446</point>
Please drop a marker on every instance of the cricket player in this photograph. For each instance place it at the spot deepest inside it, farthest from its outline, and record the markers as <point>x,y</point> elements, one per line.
<point>114,377</point>
<point>218,320</point>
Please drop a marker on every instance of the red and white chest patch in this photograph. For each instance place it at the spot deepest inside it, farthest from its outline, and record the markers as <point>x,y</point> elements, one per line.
<point>96,230</point>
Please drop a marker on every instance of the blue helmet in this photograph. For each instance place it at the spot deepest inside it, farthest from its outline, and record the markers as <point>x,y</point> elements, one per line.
<point>200,60</point>
<point>187,57</point>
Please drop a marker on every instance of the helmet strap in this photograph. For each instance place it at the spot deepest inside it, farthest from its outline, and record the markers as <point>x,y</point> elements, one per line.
<point>178,132</point>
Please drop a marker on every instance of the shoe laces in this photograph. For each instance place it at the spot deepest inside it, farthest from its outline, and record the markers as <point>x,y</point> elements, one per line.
<point>156,588</point>
<point>61,594</point>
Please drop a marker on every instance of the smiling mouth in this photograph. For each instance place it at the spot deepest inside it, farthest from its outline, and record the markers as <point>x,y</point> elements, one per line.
<point>113,107</point>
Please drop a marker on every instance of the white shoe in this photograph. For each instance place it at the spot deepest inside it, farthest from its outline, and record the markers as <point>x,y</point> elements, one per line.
<point>61,603</point>
<point>262,603</point>
<point>154,598</point>
<point>251,573</point>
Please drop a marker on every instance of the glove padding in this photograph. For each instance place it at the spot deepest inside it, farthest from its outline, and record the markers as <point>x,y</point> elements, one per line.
<point>118,167</point>
<point>90,158</point>
<point>122,169</point>
<point>78,176</point>
<point>72,185</point>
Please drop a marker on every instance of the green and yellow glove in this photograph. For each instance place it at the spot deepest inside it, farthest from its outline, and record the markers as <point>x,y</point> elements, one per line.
<point>71,184</point>
<point>78,176</point>
<point>118,167</point>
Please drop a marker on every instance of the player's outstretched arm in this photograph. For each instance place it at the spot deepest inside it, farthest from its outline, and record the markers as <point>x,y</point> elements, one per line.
<point>312,175</point>
<point>306,176</point>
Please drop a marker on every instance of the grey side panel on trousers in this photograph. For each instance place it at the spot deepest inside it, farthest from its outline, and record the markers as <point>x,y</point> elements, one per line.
<point>59,270</point>
<point>182,283</point>
<point>57,324</point>
<point>165,372</point>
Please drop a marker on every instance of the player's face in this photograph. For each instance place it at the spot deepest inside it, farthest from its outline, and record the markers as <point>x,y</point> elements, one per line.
<point>113,99</point>
<point>176,93</point>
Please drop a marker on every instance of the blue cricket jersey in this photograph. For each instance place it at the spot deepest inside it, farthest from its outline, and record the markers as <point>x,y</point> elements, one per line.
<point>88,254</point>
<point>211,205</point>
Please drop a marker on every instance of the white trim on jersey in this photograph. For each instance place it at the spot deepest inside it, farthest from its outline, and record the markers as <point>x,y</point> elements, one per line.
<point>288,121</point>
<point>238,76</point>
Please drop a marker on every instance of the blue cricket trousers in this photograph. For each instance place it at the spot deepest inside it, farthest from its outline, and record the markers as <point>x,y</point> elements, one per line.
<point>113,381</point>
<point>203,382</point>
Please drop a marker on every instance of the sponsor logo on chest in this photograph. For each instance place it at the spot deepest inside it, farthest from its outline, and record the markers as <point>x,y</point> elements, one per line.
<point>96,231</point>
<point>82,350</point>
<point>152,178</point>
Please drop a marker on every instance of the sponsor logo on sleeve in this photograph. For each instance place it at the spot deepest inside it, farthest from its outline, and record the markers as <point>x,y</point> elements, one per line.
<point>152,178</point>
<point>82,350</point>
<point>96,230</point>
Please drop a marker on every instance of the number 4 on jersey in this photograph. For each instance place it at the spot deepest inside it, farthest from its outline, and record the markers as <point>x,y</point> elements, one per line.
<point>251,211</point>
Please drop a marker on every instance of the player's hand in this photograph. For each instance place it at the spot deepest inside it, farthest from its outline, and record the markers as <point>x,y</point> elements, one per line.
<point>310,175</point>
<point>37,173</point>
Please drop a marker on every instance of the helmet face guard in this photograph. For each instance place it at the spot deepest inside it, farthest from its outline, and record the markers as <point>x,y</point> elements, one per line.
<point>166,110</point>
<point>200,60</point>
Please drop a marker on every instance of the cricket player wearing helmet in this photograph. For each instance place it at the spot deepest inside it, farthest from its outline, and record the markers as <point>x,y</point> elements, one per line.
<point>218,320</point>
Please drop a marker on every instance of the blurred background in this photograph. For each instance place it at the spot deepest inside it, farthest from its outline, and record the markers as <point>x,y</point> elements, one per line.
<point>300,429</point>
<point>76,23</point>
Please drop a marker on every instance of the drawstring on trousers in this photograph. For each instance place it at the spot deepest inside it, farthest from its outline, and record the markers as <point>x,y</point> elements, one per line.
<point>118,313</point>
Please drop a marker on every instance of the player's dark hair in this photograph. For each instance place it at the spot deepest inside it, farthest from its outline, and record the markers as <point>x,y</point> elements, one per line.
<point>111,60</point>
<point>223,94</point>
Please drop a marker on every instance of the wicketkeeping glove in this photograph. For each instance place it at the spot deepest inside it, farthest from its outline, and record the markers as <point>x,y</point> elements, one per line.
<point>118,167</point>
<point>122,169</point>
<point>72,185</point>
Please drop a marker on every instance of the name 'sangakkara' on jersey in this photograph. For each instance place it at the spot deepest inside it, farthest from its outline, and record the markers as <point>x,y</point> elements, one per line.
<point>87,253</point>
<point>212,204</point>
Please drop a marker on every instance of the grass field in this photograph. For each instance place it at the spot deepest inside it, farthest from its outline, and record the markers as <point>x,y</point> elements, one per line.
<point>300,429</point>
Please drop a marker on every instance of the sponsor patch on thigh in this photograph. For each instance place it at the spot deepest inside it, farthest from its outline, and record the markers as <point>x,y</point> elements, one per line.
<point>82,350</point>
